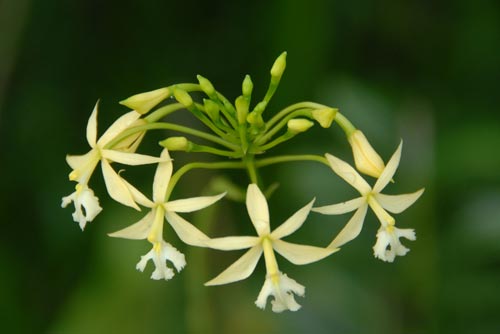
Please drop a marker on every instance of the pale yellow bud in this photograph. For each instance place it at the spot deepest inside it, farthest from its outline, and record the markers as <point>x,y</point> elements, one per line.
<point>144,102</point>
<point>183,97</point>
<point>324,116</point>
<point>176,144</point>
<point>366,159</point>
<point>241,105</point>
<point>299,125</point>
<point>247,86</point>
<point>279,66</point>
<point>206,85</point>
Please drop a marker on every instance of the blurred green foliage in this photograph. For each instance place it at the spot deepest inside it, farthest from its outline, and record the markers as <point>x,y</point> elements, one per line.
<point>423,71</point>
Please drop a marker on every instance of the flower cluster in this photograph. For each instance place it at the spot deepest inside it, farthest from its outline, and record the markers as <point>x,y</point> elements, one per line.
<point>243,137</point>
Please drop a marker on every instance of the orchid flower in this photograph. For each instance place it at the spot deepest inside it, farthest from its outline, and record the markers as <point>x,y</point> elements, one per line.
<point>388,235</point>
<point>150,227</point>
<point>276,284</point>
<point>84,165</point>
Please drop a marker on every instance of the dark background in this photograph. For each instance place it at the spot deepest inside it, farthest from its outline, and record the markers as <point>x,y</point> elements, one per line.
<point>424,71</point>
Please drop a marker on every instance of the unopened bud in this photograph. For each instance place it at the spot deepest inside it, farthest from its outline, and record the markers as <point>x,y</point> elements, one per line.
<point>260,107</point>
<point>183,97</point>
<point>299,125</point>
<point>367,161</point>
<point>206,85</point>
<point>241,104</point>
<point>144,102</point>
<point>279,66</point>
<point>255,119</point>
<point>212,109</point>
<point>177,144</point>
<point>324,116</point>
<point>247,86</point>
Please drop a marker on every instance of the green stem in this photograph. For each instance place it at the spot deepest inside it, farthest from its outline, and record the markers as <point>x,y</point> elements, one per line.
<point>162,112</point>
<point>251,169</point>
<point>288,158</point>
<point>286,136</point>
<point>212,150</point>
<point>345,124</point>
<point>267,135</point>
<point>289,109</point>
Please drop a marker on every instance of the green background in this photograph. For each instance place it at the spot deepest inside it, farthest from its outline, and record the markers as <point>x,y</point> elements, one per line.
<point>423,71</point>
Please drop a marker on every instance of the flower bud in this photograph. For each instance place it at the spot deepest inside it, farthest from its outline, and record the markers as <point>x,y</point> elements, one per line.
<point>247,86</point>
<point>255,119</point>
<point>366,159</point>
<point>279,66</point>
<point>177,144</point>
<point>144,102</point>
<point>241,104</point>
<point>212,109</point>
<point>324,116</point>
<point>299,125</point>
<point>206,85</point>
<point>183,97</point>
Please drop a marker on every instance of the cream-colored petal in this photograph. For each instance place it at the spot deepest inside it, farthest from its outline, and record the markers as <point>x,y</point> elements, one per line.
<point>162,177</point>
<point>258,210</point>
<point>131,159</point>
<point>398,203</point>
<point>349,174</point>
<point>117,189</point>
<point>185,230</point>
<point>192,204</point>
<point>138,196</point>
<point>92,127</point>
<point>137,231</point>
<point>301,254</point>
<point>118,126</point>
<point>232,243</point>
<point>83,165</point>
<point>352,229</point>
<point>293,223</point>
<point>389,170</point>
<point>239,270</point>
<point>340,208</point>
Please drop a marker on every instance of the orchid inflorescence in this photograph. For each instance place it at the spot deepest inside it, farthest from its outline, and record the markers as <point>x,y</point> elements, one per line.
<point>242,136</point>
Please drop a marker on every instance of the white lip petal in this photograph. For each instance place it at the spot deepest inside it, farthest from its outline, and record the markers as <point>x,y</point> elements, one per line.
<point>293,223</point>
<point>137,231</point>
<point>232,243</point>
<point>398,203</point>
<point>349,174</point>
<point>257,209</point>
<point>340,208</point>
<point>239,270</point>
<point>92,127</point>
<point>185,230</point>
<point>192,204</point>
<point>118,126</point>
<point>352,229</point>
<point>117,189</point>
<point>389,170</point>
<point>301,254</point>
<point>162,177</point>
<point>131,159</point>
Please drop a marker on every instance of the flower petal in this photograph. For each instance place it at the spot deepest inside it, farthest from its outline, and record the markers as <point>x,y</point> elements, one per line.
<point>116,187</point>
<point>131,159</point>
<point>192,204</point>
<point>162,177</point>
<point>239,270</point>
<point>293,223</point>
<point>257,209</point>
<point>118,126</point>
<point>137,231</point>
<point>301,254</point>
<point>398,203</point>
<point>185,230</point>
<point>340,208</point>
<point>389,170</point>
<point>232,243</point>
<point>352,229</point>
<point>138,196</point>
<point>349,174</point>
<point>92,127</point>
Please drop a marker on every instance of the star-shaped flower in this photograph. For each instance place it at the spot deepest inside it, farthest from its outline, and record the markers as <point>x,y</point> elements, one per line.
<point>388,234</point>
<point>84,165</point>
<point>151,226</point>
<point>276,284</point>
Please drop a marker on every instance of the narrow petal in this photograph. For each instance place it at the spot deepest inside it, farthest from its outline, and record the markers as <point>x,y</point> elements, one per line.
<point>185,230</point>
<point>301,254</point>
<point>398,203</point>
<point>192,204</point>
<point>232,243</point>
<point>349,174</point>
<point>352,228</point>
<point>138,196</point>
<point>131,159</point>
<point>118,126</point>
<point>239,270</point>
<point>389,170</point>
<point>117,189</point>
<point>293,223</point>
<point>92,127</point>
<point>340,208</point>
<point>162,177</point>
<point>137,231</point>
<point>257,209</point>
